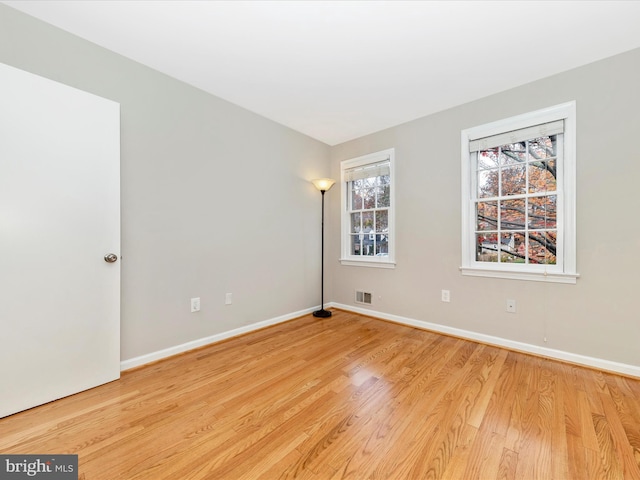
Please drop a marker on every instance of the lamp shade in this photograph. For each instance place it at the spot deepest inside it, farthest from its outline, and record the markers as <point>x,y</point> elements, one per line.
<point>323,184</point>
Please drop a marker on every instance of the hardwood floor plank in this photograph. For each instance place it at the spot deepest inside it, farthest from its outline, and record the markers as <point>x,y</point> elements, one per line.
<point>577,458</point>
<point>523,410</point>
<point>610,460</point>
<point>463,453</point>
<point>627,411</point>
<point>558,424</point>
<point>573,424</point>
<point>484,463</point>
<point>349,397</point>
<point>507,466</point>
<point>589,437</point>
<point>621,440</point>
<point>497,418</point>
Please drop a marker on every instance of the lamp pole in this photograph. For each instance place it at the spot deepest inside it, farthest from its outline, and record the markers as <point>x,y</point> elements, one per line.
<point>322,184</point>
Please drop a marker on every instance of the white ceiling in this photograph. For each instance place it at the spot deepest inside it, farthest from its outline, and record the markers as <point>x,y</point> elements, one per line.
<point>337,70</point>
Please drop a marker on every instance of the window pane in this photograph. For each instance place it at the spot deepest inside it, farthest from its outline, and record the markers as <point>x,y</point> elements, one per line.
<point>543,212</point>
<point>542,176</point>
<point>356,245</point>
<point>514,180</point>
<point>383,180</point>
<point>356,197</point>
<point>487,248</point>
<point>369,198</point>
<point>543,147</point>
<point>513,154</point>
<point>542,247</point>
<point>383,196</point>
<point>513,247</point>
<point>368,244</point>
<point>369,182</point>
<point>367,222</point>
<point>356,226</point>
<point>488,159</point>
<point>487,216</point>
<point>382,221</point>
<point>382,246</point>
<point>487,183</point>
<point>512,214</point>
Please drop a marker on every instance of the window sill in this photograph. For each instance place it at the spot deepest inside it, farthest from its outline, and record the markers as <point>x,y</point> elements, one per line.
<point>367,263</point>
<point>548,277</point>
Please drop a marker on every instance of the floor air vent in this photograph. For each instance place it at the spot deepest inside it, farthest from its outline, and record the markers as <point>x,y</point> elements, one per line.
<point>363,297</point>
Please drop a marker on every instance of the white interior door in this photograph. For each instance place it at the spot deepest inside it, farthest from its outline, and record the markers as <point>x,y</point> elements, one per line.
<point>59,216</point>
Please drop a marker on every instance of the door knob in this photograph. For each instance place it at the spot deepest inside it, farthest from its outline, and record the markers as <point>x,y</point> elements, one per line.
<point>110,258</point>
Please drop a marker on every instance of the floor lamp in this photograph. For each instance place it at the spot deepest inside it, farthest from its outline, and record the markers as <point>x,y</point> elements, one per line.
<point>322,184</point>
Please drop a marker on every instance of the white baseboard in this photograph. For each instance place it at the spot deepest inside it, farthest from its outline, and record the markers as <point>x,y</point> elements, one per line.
<point>201,342</point>
<point>599,363</point>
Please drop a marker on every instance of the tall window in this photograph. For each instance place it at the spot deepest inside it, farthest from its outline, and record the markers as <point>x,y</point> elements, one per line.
<point>519,197</point>
<point>368,210</point>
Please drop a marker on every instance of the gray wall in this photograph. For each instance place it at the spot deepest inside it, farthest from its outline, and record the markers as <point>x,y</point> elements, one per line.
<point>215,199</point>
<point>598,317</point>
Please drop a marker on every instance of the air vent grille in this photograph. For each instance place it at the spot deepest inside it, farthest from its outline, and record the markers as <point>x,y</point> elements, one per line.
<point>364,298</point>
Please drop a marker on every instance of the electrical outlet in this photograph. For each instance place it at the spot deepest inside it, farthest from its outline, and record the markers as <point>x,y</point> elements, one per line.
<point>446,296</point>
<point>228,299</point>
<point>511,306</point>
<point>195,304</point>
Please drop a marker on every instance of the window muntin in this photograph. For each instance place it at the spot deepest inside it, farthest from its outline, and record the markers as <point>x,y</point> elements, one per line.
<point>368,210</point>
<point>518,197</point>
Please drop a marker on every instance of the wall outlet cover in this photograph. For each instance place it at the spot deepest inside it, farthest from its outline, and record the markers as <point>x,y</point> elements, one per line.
<point>195,304</point>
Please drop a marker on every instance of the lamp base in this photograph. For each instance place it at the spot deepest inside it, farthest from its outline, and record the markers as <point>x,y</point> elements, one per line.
<point>322,313</point>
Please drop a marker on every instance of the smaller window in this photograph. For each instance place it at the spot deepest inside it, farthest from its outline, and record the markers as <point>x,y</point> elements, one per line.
<point>368,210</point>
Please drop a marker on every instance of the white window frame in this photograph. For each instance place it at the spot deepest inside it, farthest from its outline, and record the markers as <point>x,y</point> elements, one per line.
<point>565,269</point>
<point>366,260</point>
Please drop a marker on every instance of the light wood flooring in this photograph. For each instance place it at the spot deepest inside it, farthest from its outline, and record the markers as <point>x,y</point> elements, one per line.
<point>345,397</point>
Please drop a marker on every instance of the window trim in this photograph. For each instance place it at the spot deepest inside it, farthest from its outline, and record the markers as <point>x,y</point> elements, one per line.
<point>561,273</point>
<point>364,260</point>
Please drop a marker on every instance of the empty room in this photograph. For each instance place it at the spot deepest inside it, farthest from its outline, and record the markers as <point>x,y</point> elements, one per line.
<point>319,240</point>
